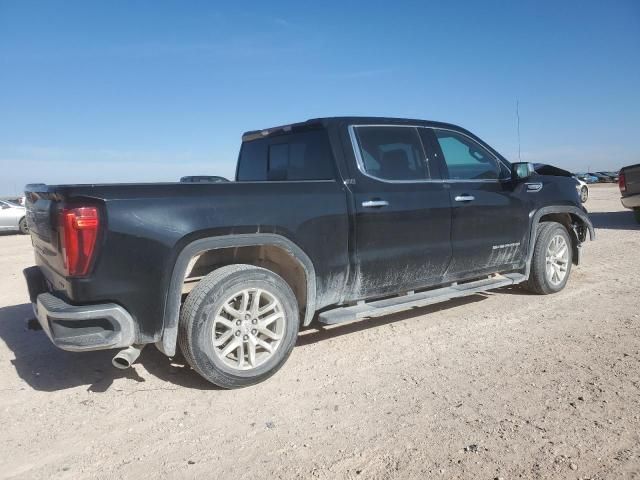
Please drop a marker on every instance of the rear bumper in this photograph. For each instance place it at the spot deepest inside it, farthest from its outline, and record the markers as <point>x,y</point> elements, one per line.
<point>631,201</point>
<point>79,328</point>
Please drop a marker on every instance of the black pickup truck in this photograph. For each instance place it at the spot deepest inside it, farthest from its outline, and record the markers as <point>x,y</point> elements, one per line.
<point>333,219</point>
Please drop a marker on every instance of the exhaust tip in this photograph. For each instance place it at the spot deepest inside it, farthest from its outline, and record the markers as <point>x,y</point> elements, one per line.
<point>125,358</point>
<point>121,363</point>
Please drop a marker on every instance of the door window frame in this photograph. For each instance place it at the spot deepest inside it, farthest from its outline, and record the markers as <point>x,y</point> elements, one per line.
<point>432,152</point>
<point>432,168</point>
<point>498,162</point>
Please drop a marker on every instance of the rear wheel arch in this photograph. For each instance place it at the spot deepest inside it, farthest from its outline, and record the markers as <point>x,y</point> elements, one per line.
<point>274,251</point>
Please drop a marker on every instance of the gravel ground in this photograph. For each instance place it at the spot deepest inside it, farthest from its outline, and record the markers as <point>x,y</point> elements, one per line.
<point>505,385</point>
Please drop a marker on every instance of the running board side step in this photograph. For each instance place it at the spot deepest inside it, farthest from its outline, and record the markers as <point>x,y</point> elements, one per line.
<point>377,308</point>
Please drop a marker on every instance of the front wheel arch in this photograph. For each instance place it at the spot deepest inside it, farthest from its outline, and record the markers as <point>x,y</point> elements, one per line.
<point>569,217</point>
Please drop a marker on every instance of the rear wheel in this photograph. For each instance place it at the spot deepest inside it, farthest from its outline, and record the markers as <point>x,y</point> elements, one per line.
<point>636,213</point>
<point>551,262</point>
<point>24,229</point>
<point>239,325</point>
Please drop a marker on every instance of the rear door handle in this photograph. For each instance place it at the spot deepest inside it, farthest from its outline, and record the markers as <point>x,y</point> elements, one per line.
<point>375,203</point>
<point>464,198</point>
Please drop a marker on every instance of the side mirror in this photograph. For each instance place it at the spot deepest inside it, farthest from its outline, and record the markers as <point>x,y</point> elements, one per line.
<point>521,171</point>
<point>3,206</point>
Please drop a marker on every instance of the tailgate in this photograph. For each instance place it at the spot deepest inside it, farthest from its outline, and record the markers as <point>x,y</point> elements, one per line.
<point>632,179</point>
<point>42,203</point>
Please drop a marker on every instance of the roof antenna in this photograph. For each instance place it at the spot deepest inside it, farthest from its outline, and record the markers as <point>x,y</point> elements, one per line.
<point>518,120</point>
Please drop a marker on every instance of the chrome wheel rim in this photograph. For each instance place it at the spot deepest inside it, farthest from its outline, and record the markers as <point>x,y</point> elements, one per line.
<point>248,328</point>
<point>557,260</point>
<point>583,195</point>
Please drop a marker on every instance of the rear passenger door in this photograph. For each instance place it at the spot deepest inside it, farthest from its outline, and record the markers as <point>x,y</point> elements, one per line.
<point>402,212</point>
<point>489,217</point>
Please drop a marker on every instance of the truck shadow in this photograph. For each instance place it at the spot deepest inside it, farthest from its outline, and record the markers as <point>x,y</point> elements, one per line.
<point>46,368</point>
<point>620,220</point>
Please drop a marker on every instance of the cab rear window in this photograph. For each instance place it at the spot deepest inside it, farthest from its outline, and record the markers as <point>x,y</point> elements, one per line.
<point>293,156</point>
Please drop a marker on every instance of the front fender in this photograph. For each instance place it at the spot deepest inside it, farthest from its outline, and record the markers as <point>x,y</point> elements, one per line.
<point>534,221</point>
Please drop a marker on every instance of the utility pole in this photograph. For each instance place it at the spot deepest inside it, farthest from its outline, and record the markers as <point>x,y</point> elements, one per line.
<point>518,125</point>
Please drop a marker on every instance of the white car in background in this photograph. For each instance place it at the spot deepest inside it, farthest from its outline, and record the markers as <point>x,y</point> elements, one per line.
<point>12,217</point>
<point>583,190</point>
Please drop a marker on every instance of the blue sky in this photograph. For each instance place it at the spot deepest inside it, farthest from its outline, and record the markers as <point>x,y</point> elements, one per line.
<point>95,91</point>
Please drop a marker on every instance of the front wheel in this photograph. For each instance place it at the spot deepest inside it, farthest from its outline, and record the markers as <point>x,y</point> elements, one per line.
<point>239,325</point>
<point>24,229</point>
<point>551,262</point>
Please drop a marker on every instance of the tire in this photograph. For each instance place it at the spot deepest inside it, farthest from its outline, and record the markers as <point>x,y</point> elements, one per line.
<point>584,194</point>
<point>543,280</point>
<point>205,321</point>
<point>636,213</point>
<point>24,229</point>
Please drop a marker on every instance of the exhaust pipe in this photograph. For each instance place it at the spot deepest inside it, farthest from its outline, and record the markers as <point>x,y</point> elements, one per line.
<point>125,358</point>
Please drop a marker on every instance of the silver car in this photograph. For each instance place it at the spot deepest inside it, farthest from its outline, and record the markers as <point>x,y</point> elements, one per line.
<point>12,217</point>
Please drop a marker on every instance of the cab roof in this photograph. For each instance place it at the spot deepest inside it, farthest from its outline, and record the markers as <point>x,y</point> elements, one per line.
<point>341,121</point>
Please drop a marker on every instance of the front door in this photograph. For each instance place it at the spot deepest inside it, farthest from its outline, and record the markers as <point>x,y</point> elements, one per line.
<point>489,217</point>
<point>402,212</point>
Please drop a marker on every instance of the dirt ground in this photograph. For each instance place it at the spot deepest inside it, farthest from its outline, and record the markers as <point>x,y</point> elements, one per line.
<point>505,385</point>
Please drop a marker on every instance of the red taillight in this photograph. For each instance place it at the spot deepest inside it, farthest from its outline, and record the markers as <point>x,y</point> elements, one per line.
<point>622,182</point>
<point>78,233</point>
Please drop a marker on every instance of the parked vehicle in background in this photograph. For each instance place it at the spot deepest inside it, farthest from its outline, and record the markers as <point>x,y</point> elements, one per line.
<point>586,177</point>
<point>334,219</point>
<point>629,183</point>
<point>203,179</point>
<point>601,178</point>
<point>612,176</point>
<point>12,217</point>
<point>583,190</point>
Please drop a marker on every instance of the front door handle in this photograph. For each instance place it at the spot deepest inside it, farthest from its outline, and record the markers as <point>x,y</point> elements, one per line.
<point>375,203</point>
<point>464,198</point>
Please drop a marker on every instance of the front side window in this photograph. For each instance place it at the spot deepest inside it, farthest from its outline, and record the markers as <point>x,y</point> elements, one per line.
<point>465,158</point>
<point>293,156</point>
<point>392,153</point>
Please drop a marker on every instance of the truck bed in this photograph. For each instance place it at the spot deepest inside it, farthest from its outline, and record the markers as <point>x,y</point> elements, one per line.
<point>144,226</point>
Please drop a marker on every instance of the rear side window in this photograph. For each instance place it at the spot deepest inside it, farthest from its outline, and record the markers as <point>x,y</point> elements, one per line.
<point>465,158</point>
<point>294,156</point>
<point>392,153</point>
